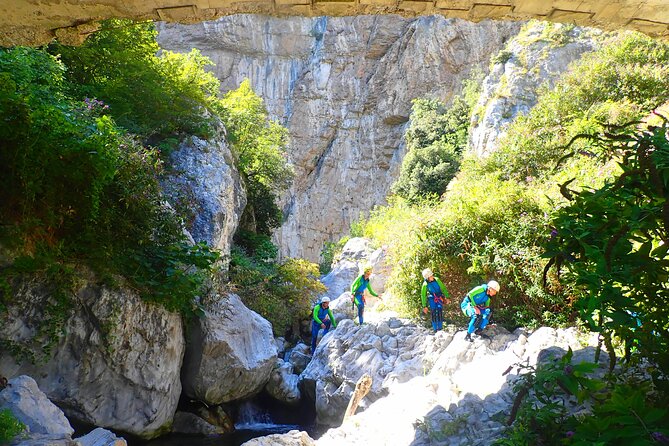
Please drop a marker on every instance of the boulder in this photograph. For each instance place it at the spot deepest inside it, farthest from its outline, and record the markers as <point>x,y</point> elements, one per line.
<point>100,437</point>
<point>189,423</point>
<point>205,173</point>
<point>299,357</point>
<point>292,438</point>
<point>118,363</point>
<point>282,384</point>
<point>230,354</point>
<point>45,423</point>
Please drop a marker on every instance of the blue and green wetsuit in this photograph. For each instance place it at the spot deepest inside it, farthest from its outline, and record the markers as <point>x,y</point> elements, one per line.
<point>358,291</point>
<point>437,293</point>
<point>477,297</point>
<point>321,316</point>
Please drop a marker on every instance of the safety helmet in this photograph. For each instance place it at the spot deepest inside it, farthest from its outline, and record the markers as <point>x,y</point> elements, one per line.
<point>367,269</point>
<point>494,285</point>
<point>427,272</point>
<point>325,299</point>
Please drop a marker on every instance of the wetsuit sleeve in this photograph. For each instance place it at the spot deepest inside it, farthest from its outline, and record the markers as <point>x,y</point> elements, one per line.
<point>334,323</point>
<point>316,308</point>
<point>371,291</point>
<point>423,294</point>
<point>442,287</point>
<point>355,285</point>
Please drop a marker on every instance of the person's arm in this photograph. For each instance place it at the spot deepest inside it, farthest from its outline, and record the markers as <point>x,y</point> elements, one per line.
<point>355,285</point>
<point>423,294</point>
<point>371,291</point>
<point>443,289</point>
<point>316,308</point>
<point>334,323</point>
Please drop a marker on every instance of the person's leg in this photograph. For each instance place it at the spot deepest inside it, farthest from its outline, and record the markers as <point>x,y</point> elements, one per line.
<point>485,317</point>
<point>472,319</point>
<point>314,335</point>
<point>440,316</point>
<point>433,314</point>
<point>361,308</point>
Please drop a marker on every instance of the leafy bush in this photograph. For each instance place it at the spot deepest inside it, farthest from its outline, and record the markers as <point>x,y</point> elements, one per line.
<point>260,145</point>
<point>10,427</point>
<point>622,81</point>
<point>148,93</point>
<point>623,409</point>
<point>76,188</point>
<point>281,293</point>
<point>612,241</point>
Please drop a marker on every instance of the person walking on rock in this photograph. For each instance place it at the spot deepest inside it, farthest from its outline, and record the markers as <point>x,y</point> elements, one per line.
<point>476,304</point>
<point>434,292</point>
<point>322,318</point>
<point>358,288</point>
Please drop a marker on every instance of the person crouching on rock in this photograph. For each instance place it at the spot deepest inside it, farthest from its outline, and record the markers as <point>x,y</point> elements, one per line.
<point>358,288</point>
<point>476,305</point>
<point>323,318</point>
<point>434,292</point>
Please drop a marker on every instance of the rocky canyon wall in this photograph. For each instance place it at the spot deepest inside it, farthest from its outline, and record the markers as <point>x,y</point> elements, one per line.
<point>343,87</point>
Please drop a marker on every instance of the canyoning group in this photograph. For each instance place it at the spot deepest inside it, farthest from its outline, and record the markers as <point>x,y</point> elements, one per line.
<point>434,295</point>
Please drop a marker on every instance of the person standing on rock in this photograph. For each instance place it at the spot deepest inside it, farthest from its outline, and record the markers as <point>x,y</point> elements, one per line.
<point>434,292</point>
<point>323,318</point>
<point>477,304</point>
<point>358,288</point>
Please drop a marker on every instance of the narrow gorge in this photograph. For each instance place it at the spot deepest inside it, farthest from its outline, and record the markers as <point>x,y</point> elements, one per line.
<point>197,330</point>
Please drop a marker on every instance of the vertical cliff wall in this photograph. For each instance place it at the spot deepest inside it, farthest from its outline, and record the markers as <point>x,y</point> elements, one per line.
<point>343,87</point>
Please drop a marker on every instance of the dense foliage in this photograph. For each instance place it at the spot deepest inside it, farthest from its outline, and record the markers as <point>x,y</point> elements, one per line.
<point>10,427</point>
<point>148,92</point>
<point>614,243</point>
<point>436,139</point>
<point>283,293</point>
<point>260,145</point>
<point>76,188</point>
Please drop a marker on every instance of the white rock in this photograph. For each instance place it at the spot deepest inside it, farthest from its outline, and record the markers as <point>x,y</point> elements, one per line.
<point>231,353</point>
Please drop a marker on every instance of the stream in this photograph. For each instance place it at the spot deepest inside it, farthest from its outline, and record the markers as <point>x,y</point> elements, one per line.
<point>255,418</point>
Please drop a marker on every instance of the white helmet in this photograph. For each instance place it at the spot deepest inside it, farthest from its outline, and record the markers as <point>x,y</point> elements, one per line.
<point>494,285</point>
<point>427,272</point>
<point>325,299</point>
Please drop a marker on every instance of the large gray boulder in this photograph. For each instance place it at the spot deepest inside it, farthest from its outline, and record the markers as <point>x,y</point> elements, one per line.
<point>204,171</point>
<point>292,438</point>
<point>230,355</point>
<point>45,423</point>
<point>117,364</point>
<point>283,383</point>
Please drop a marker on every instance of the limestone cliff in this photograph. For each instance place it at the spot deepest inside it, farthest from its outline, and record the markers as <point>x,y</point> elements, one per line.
<point>343,87</point>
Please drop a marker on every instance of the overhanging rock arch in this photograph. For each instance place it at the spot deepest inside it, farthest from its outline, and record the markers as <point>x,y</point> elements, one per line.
<point>27,22</point>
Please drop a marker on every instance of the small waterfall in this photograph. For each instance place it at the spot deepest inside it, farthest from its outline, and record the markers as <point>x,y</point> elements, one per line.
<point>251,416</point>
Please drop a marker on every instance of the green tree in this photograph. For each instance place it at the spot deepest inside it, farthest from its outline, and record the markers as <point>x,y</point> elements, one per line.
<point>149,91</point>
<point>435,140</point>
<point>260,145</point>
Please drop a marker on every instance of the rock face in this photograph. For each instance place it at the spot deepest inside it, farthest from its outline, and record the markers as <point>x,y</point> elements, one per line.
<point>203,172</point>
<point>533,59</point>
<point>343,87</point>
<point>230,355</point>
<point>43,420</point>
<point>282,384</point>
<point>117,365</point>
<point>292,438</point>
<point>447,380</point>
